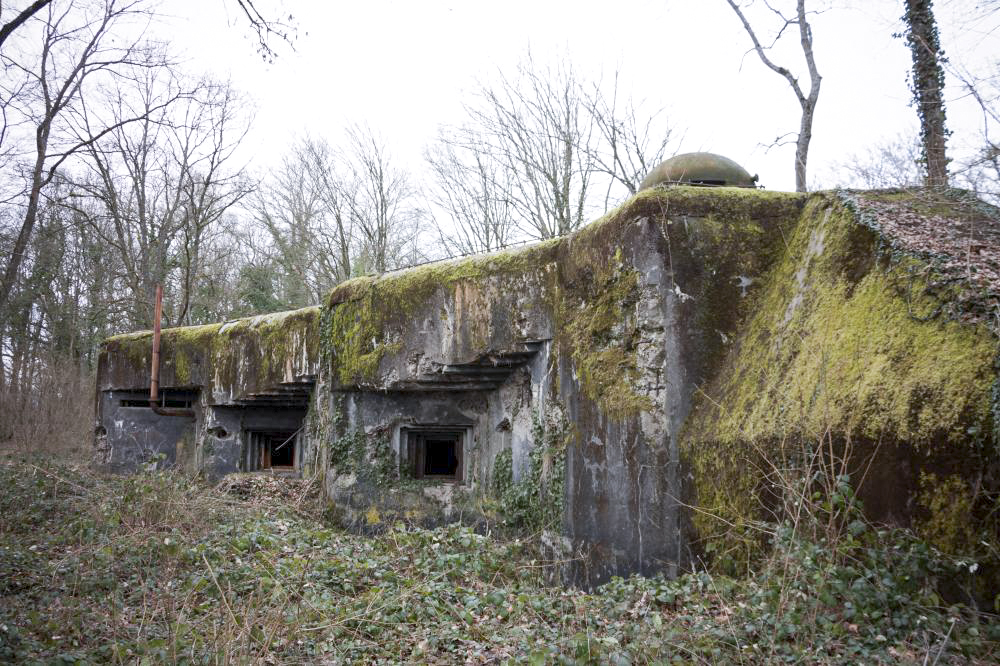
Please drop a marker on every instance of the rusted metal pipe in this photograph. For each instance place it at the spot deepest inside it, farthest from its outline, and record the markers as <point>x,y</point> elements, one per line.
<point>154,371</point>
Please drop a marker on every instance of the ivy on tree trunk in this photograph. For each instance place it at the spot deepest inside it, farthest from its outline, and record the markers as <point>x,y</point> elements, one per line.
<point>927,84</point>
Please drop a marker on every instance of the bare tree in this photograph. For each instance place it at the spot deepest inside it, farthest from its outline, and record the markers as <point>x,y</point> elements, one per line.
<point>157,187</point>
<point>536,127</point>
<point>892,163</point>
<point>77,54</point>
<point>20,18</point>
<point>268,28</point>
<point>291,205</point>
<point>265,27</point>
<point>927,84</point>
<point>539,154</point>
<point>382,203</point>
<point>472,187</point>
<point>336,239</point>
<point>631,142</point>
<point>807,101</point>
<point>981,172</point>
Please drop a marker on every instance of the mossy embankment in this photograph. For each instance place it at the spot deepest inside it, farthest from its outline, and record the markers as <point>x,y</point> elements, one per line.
<point>851,353</point>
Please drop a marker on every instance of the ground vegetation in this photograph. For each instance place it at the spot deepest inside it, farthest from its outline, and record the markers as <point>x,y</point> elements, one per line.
<point>158,568</point>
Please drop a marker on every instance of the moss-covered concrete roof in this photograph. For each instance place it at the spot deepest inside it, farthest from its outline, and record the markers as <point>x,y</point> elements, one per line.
<point>957,235</point>
<point>229,359</point>
<point>493,300</point>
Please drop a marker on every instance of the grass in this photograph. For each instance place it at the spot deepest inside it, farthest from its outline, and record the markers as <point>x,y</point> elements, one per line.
<point>157,568</point>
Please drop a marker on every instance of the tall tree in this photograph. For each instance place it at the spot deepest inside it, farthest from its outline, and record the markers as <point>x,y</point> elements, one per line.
<point>539,154</point>
<point>807,101</point>
<point>471,187</point>
<point>157,187</point>
<point>77,52</point>
<point>927,85</point>
<point>630,140</point>
<point>291,207</point>
<point>536,127</point>
<point>382,203</point>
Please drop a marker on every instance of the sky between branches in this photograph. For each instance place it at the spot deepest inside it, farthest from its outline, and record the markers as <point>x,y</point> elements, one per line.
<point>406,67</point>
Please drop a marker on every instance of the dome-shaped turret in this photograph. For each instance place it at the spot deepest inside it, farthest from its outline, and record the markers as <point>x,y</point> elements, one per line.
<point>699,169</point>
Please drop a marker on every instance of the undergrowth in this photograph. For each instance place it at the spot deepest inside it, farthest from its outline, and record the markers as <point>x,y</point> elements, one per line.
<point>156,568</point>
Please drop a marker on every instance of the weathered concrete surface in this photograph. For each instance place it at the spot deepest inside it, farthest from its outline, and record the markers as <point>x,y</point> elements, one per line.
<point>603,378</point>
<point>861,352</point>
<point>228,362</point>
<point>128,438</point>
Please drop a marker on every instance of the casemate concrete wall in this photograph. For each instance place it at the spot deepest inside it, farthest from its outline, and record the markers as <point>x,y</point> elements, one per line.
<point>597,384</point>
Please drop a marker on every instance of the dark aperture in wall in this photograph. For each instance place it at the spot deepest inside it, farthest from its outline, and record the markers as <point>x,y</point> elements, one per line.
<point>435,454</point>
<point>271,449</point>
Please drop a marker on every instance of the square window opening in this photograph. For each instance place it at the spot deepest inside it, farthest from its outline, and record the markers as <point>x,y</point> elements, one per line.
<point>170,398</point>
<point>435,454</point>
<point>271,449</point>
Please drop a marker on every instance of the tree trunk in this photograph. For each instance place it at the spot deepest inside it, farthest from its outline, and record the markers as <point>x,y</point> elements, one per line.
<point>807,102</point>
<point>928,87</point>
<point>30,215</point>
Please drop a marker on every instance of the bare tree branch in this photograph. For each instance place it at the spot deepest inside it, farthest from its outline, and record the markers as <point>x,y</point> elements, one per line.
<point>806,101</point>
<point>19,20</point>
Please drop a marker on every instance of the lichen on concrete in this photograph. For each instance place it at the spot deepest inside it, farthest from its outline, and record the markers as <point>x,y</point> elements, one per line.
<point>367,317</point>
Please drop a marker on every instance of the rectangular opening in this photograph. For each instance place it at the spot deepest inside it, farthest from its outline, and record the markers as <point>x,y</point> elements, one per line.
<point>271,449</point>
<point>135,403</point>
<point>435,454</point>
<point>172,399</point>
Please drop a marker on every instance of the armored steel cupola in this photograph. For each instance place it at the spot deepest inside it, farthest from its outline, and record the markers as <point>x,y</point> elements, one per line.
<point>705,169</point>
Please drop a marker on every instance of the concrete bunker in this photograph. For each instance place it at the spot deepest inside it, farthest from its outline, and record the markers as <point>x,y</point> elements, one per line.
<point>593,387</point>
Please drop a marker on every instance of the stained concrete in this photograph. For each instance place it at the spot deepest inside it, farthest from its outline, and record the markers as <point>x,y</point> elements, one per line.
<point>573,366</point>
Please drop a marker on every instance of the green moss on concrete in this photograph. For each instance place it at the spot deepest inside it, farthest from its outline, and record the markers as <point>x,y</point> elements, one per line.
<point>184,348</point>
<point>826,350</point>
<point>353,452</point>
<point>947,504</point>
<point>278,339</point>
<point>729,232</point>
<point>600,332</point>
<point>368,317</point>
<point>844,343</point>
<point>215,354</point>
<point>135,347</point>
<point>723,203</point>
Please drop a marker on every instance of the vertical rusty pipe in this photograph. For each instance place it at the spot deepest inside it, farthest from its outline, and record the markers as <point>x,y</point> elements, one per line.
<point>154,371</point>
<point>154,374</point>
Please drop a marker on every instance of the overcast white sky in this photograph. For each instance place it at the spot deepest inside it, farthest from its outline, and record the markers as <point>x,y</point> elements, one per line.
<point>406,67</point>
